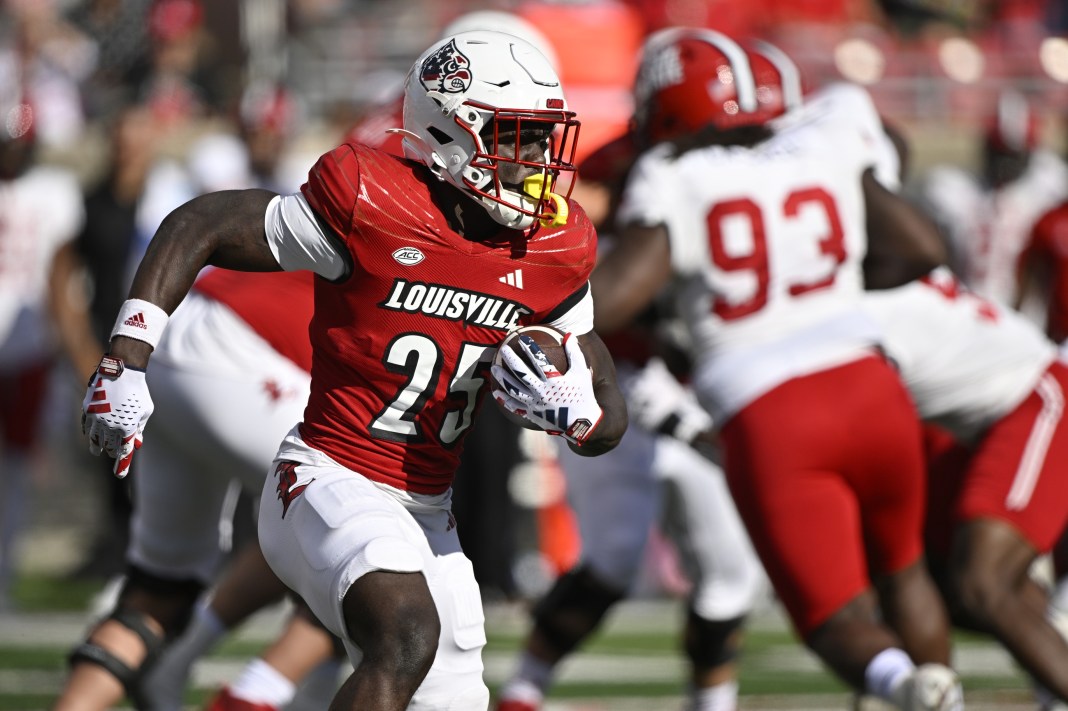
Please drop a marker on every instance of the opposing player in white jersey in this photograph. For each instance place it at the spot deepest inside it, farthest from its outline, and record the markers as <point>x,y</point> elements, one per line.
<point>409,307</point>
<point>655,476</point>
<point>988,218</point>
<point>763,228</point>
<point>231,375</point>
<point>991,378</point>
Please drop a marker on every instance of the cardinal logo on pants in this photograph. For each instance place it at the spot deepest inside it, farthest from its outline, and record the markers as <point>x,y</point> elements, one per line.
<point>287,478</point>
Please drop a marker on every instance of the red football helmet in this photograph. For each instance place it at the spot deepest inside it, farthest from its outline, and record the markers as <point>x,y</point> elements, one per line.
<point>691,78</point>
<point>778,81</point>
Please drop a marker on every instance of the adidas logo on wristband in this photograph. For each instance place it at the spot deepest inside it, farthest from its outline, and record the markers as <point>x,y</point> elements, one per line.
<point>140,320</point>
<point>137,321</point>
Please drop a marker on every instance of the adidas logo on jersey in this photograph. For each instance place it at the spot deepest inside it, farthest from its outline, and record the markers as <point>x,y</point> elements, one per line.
<point>439,301</point>
<point>137,321</point>
<point>513,279</point>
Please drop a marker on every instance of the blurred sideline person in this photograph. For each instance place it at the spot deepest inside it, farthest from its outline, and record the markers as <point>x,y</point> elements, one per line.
<point>399,368</point>
<point>41,213</point>
<point>987,219</point>
<point>767,262</point>
<point>104,248</point>
<point>656,471</point>
<point>1000,490</point>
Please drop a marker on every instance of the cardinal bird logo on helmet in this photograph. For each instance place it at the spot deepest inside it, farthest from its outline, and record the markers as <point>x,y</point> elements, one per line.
<point>447,70</point>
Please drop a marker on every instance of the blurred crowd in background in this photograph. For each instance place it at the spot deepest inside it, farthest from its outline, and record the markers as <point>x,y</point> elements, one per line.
<point>146,103</point>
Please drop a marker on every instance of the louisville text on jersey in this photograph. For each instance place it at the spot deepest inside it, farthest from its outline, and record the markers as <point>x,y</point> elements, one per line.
<point>454,304</point>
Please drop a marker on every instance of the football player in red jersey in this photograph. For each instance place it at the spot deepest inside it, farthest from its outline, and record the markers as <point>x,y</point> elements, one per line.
<point>411,297</point>
<point>762,225</point>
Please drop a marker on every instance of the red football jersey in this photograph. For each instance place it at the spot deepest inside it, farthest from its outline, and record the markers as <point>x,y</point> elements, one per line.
<point>276,305</point>
<point>401,348</point>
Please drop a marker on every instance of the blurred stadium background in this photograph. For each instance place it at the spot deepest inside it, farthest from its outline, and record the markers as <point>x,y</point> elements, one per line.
<point>934,67</point>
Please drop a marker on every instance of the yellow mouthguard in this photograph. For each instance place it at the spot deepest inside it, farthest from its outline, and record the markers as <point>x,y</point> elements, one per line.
<point>539,187</point>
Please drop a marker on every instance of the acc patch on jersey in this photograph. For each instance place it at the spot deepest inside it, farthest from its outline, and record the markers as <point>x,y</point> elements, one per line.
<point>448,70</point>
<point>408,256</point>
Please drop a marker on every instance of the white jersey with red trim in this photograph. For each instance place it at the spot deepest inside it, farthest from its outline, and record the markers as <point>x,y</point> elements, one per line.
<point>965,360</point>
<point>39,212</point>
<point>988,228</point>
<point>401,347</point>
<point>767,244</point>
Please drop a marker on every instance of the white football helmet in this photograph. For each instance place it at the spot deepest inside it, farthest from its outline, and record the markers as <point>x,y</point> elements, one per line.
<point>508,23</point>
<point>468,91</point>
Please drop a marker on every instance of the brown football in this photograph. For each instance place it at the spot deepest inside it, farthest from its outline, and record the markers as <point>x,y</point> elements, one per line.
<point>546,340</point>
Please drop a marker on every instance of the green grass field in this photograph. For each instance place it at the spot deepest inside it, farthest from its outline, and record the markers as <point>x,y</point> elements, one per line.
<point>632,664</point>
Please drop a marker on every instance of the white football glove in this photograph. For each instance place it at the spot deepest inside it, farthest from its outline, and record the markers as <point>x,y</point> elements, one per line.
<point>114,412</point>
<point>658,403</point>
<point>561,404</point>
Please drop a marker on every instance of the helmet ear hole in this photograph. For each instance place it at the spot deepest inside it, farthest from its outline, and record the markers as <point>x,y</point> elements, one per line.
<point>439,135</point>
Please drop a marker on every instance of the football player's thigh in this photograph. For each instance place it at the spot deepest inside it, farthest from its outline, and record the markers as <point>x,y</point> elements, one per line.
<point>616,499</point>
<point>320,538</point>
<point>1020,470</point>
<point>884,460</point>
<point>803,520</point>
<point>341,527</point>
<point>702,520</point>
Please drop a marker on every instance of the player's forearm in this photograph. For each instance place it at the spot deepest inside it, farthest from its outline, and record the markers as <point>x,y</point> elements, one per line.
<point>221,229</point>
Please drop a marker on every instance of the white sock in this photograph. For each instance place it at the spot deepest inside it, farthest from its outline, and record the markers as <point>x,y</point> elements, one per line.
<point>166,681</point>
<point>721,697</point>
<point>260,683</point>
<point>886,671</point>
<point>531,680</point>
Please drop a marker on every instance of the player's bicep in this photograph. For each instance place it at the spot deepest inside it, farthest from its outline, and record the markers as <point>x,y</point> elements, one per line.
<point>630,276</point>
<point>299,239</point>
<point>574,314</point>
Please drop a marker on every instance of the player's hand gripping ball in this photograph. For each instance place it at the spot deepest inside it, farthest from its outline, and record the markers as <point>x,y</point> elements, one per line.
<point>540,347</point>
<point>540,380</point>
